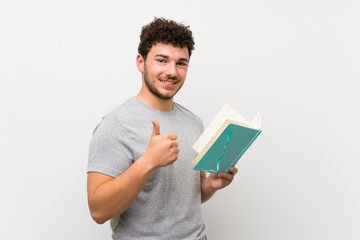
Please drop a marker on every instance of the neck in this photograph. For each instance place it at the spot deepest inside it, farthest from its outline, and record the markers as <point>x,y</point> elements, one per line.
<point>163,105</point>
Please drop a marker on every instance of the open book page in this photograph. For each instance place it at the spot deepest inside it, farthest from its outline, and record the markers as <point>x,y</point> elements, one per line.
<point>210,142</point>
<point>257,121</point>
<point>226,113</point>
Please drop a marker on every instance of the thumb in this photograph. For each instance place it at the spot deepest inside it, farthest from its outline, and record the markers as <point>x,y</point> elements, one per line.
<point>156,128</point>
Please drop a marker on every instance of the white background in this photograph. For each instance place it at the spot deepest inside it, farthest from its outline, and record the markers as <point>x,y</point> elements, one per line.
<point>65,64</point>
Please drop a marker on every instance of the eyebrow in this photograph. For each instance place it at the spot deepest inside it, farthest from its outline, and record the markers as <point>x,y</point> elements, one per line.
<point>167,57</point>
<point>184,60</point>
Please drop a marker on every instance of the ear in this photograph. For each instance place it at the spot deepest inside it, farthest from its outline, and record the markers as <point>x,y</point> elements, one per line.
<point>140,63</point>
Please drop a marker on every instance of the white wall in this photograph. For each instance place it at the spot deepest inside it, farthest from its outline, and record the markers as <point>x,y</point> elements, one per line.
<point>64,64</point>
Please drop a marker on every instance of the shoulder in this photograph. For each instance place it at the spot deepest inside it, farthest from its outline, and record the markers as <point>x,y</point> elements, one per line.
<point>188,114</point>
<point>125,109</point>
<point>118,118</point>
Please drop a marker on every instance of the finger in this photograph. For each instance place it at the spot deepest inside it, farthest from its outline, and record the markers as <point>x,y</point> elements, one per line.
<point>227,176</point>
<point>177,150</point>
<point>172,136</point>
<point>233,170</point>
<point>156,128</point>
<point>175,143</point>
<point>214,176</point>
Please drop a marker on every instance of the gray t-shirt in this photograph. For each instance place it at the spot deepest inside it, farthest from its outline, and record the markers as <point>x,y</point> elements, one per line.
<point>168,207</point>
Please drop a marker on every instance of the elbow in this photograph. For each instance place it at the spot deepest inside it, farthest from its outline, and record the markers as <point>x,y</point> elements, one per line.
<point>97,214</point>
<point>99,221</point>
<point>98,217</point>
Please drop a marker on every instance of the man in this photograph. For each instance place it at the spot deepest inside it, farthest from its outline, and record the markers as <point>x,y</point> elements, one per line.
<point>140,174</point>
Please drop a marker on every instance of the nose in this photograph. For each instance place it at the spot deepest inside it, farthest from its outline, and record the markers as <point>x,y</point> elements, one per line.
<point>171,70</point>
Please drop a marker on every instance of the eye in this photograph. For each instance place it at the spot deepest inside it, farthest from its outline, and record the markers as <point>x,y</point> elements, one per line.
<point>160,60</point>
<point>182,63</point>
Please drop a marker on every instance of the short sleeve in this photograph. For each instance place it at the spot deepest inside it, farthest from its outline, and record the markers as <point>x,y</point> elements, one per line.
<point>108,152</point>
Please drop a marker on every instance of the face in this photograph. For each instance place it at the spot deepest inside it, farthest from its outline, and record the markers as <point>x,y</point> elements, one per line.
<point>164,70</point>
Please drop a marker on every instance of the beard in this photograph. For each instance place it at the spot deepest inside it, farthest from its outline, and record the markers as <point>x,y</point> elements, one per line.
<point>151,86</point>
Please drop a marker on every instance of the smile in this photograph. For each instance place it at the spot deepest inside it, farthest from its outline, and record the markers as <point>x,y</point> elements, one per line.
<point>168,82</point>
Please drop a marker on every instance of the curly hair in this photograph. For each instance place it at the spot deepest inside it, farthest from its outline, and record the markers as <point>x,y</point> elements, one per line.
<point>161,30</point>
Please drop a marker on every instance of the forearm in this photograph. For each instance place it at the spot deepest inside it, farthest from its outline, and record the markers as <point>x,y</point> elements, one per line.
<point>115,195</point>
<point>109,197</point>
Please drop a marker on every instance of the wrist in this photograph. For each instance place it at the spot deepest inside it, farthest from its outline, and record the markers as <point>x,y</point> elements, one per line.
<point>145,162</point>
<point>207,191</point>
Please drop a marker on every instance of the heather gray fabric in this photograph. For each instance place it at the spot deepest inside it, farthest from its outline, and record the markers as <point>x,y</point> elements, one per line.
<point>168,207</point>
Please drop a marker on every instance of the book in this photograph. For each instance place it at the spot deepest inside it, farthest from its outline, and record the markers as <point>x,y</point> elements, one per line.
<point>225,140</point>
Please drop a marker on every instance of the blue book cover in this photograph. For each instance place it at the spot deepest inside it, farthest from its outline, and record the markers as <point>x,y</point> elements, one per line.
<point>227,144</point>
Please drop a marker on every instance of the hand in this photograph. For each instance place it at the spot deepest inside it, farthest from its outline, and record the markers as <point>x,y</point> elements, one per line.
<point>219,181</point>
<point>163,149</point>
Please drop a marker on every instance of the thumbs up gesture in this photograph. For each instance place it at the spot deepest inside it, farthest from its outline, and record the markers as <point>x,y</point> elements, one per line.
<point>163,148</point>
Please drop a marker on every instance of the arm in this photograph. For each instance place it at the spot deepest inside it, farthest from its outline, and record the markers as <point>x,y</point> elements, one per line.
<point>108,197</point>
<point>214,182</point>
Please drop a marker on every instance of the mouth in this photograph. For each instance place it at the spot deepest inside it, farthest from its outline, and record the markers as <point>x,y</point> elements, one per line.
<point>169,83</point>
